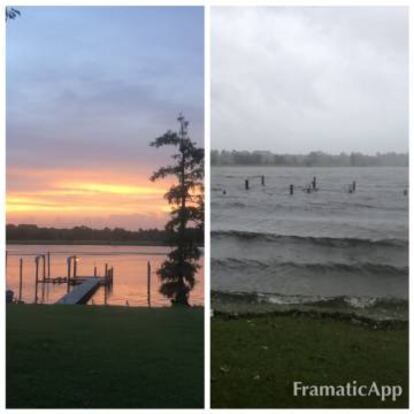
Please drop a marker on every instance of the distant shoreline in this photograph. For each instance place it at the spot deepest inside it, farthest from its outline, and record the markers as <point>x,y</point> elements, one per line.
<point>312,159</point>
<point>31,234</point>
<point>307,166</point>
<point>84,242</point>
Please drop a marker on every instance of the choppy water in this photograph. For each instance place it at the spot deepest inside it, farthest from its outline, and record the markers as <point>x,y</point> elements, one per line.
<point>130,272</point>
<point>310,247</point>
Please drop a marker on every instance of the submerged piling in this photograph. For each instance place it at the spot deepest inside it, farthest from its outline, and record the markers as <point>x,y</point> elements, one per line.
<point>291,189</point>
<point>263,180</point>
<point>246,184</point>
<point>353,186</point>
<point>314,183</point>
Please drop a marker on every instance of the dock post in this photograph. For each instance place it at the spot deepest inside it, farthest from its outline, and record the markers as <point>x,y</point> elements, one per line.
<point>106,290</point>
<point>44,267</point>
<point>69,259</point>
<point>106,269</point>
<point>36,277</point>
<point>43,292</point>
<point>94,271</point>
<point>20,279</point>
<point>149,283</point>
<point>314,183</point>
<point>353,186</point>
<point>246,184</point>
<point>291,189</point>
<point>75,266</point>
<point>48,265</point>
<point>263,180</point>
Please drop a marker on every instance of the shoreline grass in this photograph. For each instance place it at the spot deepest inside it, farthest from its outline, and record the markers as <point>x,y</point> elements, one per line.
<point>104,357</point>
<point>256,359</point>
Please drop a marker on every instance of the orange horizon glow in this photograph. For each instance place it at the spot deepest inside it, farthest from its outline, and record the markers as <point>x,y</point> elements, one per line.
<point>54,195</point>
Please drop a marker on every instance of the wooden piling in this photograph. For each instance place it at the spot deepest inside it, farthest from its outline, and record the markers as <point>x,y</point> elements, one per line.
<point>36,278</point>
<point>149,284</point>
<point>353,186</point>
<point>314,183</point>
<point>291,189</point>
<point>95,271</point>
<point>43,293</point>
<point>69,260</point>
<point>75,266</point>
<point>44,267</point>
<point>246,184</point>
<point>47,292</point>
<point>20,279</point>
<point>48,264</point>
<point>263,180</point>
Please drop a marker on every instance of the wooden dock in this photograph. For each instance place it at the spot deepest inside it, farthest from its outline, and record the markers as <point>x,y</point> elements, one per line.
<point>80,288</point>
<point>82,291</point>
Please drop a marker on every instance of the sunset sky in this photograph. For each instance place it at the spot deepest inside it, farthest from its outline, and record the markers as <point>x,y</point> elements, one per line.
<point>88,88</point>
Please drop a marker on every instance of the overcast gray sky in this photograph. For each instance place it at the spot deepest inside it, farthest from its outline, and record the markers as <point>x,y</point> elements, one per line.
<point>299,79</point>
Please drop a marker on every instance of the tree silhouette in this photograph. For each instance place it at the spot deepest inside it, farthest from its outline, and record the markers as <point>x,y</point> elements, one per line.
<point>186,198</point>
<point>12,13</point>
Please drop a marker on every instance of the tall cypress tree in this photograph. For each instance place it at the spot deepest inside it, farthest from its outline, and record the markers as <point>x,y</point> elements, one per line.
<point>186,197</point>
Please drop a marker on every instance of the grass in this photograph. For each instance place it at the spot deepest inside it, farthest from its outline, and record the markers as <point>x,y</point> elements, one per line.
<point>255,361</point>
<point>104,357</point>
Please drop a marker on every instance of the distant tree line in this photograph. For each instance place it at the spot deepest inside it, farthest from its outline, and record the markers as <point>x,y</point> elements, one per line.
<point>313,159</point>
<point>31,232</point>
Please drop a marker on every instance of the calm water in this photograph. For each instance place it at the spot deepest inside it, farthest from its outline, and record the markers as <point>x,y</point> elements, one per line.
<point>130,272</point>
<point>327,245</point>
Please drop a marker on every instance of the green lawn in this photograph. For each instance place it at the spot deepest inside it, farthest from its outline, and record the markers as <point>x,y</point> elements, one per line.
<point>255,361</point>
<point>64,356</point>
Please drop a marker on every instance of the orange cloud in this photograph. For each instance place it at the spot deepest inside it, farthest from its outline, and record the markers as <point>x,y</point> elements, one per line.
<point>78,194</point>
<point>96,187</point>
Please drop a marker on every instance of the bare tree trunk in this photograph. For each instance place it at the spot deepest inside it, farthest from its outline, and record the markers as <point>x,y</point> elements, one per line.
<point>182,295</point>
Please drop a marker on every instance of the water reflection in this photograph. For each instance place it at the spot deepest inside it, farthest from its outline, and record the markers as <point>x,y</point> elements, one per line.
<point>130,273</point>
